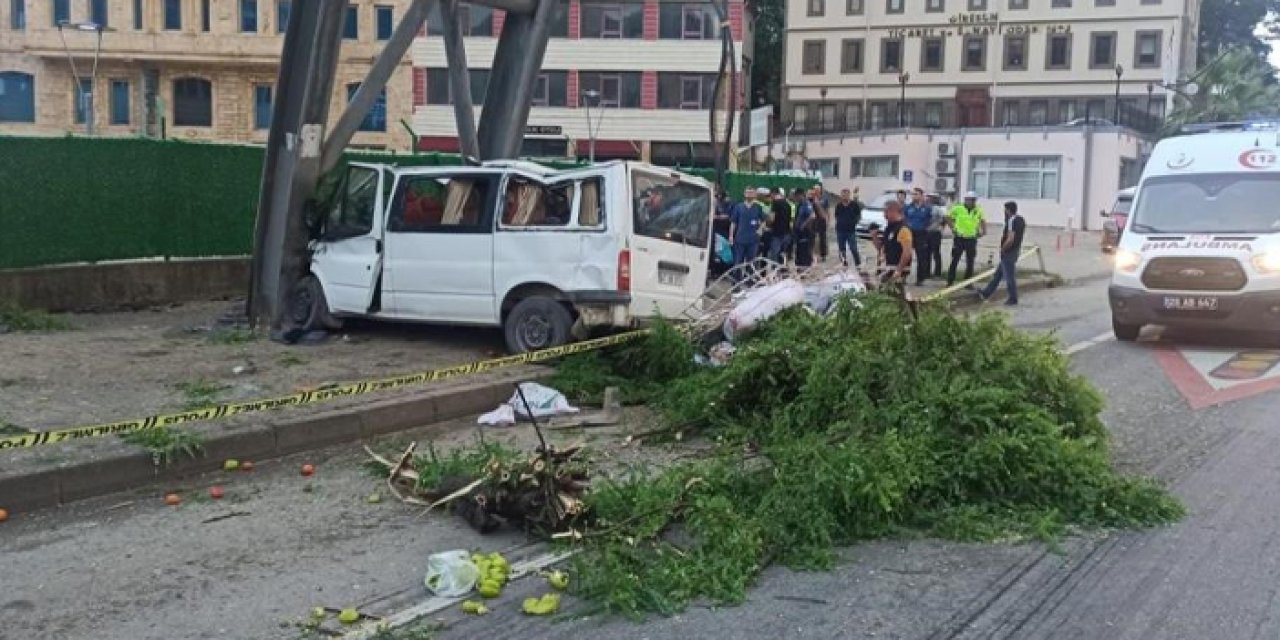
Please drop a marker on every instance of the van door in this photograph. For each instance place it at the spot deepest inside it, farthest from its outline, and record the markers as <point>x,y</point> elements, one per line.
<point>348,258</point>
<point>439,245</point>
<point>671,233</point>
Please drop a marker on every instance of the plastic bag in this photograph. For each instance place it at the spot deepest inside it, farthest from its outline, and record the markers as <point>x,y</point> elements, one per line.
<point>761,304</point>
<point>503,416</point>
<point>543,401</point>
<point>451,574</point>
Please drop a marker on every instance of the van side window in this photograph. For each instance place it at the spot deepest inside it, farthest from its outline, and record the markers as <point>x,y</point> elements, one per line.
<point>591,210</point>
<point>528,204</point>
<point>668,210</point>
<point>352,214</point>
<point>457,204</point>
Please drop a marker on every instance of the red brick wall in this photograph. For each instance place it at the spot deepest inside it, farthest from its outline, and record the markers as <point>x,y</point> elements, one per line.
<point>419,86</point>
<point>735,20</point>
<point>571,85</point>
<point>651,20</point>
<point>649,90</point>
<point>575,22</point>
<point>499,18</point>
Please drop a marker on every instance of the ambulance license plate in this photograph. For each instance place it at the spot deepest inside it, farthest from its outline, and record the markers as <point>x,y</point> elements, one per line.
<point>1190,303</point>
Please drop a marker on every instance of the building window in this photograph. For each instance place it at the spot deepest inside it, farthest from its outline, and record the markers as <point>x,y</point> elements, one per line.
<point>98,13</point>
<point>800,114</point>
<point>1067,111</point>
<point>1060,4</point>
<point>351,23</point>
<point>283,9</point>
<point>613,20</point>
<point>262,106</point>
<point>686,91</point>
<point>853,115</point>
<point>1038,112</point>
<point>560,20</point>
<point>1147,50</point>
<point>1102,50</point>
<point>18,14</point>
<point>192,102</point>
<point>814,59</point>
<point>873,167</point>
<point>932,54</point>
<point>851,50</point>
<point>935,6</point>
<point>376,119</point>
<point>1151,1</point>
<point>476,20</point>
<point>977,5</point>
<point>17,97</point>
<point>439,92</point>
<point>385,15</point>
<point>678,21</point>
<point>933,114</point>
<point>1009,114</point>
<point>895,6</point>
<point>120,102</point>
<point>205,15</point>
<point>828,167</point>
<point>173,15</point>
<point>854,7</point>
<point>1026,177</point>
<point>61,11</point>
<point>877,120</point>
<point>890,56</point>
<point>1017,5</point>
<point>1059,54</point>
<point>137,15</point>
<point>817,8</point>
<point>1104,3</point>
<point>1015,53</point>
<point>975,53</point>
<point>248,16</point>
<point>82,96</point>
<point>616,89</point>
<point>551,89</point>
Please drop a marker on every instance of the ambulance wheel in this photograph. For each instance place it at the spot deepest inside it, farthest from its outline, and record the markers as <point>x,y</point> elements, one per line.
<point>308,308</point>
<point>1125,332</point>
<point>536,323</point>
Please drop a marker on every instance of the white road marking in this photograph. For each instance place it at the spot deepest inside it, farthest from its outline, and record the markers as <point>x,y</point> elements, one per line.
<point>1091,342</point>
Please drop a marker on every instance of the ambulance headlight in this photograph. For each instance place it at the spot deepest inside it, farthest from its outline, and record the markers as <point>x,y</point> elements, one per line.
<point>1267,263</point>
<point>1127,261</point>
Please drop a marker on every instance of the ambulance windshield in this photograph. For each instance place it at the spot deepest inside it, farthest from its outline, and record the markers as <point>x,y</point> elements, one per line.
<point>1209,203</point>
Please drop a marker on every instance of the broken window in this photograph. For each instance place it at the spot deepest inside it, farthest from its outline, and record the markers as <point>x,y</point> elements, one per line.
<point>591,210</point>
<point>528,204</point>
<point>442,203</point>
<point>670,210</point>
<point>352,214</point>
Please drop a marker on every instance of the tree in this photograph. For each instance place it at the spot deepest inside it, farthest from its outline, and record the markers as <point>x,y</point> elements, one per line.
<point>1233,23</point>
<point>1237,85</point>
<point>766,59</point>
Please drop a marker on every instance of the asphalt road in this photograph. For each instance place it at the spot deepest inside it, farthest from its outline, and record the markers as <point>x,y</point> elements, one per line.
<point>142,570</point>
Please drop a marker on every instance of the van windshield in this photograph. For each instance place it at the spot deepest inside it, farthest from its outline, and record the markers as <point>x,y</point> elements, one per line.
<point>669,210</point>
<point>1123,205</point>
<point>1209,203</point>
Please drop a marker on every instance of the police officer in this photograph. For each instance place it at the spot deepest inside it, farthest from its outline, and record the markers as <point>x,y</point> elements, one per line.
<point>967,223</point>
<point>918,214</point>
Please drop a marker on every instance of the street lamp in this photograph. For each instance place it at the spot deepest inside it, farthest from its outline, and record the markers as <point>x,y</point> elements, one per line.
<point>85,97</point>
<point>1119,72</point>
<point>822,110</point>
<point>902,100</point>
<point>587,97</point>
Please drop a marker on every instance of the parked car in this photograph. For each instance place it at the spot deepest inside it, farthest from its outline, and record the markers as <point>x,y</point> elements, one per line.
<point>1114,220</point>
<point>546,255</point>
<point>873,214</point>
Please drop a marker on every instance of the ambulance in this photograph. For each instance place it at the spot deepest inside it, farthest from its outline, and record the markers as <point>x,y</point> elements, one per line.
<point>1202,245</point>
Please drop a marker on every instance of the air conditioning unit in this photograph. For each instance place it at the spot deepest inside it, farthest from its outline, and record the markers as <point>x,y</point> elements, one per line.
<point>946,150</point>
<point>946,166</point>
<point>944,185</point>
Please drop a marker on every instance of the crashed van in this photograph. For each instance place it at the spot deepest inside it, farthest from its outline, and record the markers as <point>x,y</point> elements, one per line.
<point>547,255</point>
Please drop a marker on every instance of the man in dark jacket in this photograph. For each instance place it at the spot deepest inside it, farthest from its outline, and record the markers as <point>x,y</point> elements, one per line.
<point>779,227</point>
<point>848,214</point>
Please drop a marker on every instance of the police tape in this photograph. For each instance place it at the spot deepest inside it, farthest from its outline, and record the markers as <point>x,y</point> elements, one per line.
<point>942,293</point>
<point>228,410</point>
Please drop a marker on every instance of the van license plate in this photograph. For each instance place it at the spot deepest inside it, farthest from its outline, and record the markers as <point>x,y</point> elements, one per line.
<point>1190,303</point>
<point>672,278</point>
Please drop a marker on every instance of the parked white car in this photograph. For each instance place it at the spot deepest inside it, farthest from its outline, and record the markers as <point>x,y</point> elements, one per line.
<point>547,255</point>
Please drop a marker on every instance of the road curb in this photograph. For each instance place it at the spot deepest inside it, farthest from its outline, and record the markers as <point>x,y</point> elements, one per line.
<point>109,465</point>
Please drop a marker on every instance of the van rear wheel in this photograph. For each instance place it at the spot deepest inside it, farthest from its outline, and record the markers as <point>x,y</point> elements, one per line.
<point>536,323</point>
<point>1125,332</point>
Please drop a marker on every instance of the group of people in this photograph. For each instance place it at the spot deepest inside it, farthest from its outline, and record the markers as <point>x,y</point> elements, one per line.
<point>791,229</point>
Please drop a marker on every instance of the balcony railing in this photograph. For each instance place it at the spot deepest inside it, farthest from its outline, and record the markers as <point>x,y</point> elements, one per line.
<point>837,119</point>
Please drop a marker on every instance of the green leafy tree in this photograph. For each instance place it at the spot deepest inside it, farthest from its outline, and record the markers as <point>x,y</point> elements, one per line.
<point>1237,85</point>
<point>766,59</point>
<point>1235,23</point>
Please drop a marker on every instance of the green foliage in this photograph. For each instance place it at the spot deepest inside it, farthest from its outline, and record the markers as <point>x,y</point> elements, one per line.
<point>166,444</point>
<point>638,368</point>
<point>200,393</point>
<point>1237,85</point>
<point>19,319</point>
<point>150,198</point>
<point>1236,23</point>
<point>464,462</point>
<point>232,336</point>
<point>860,425</point>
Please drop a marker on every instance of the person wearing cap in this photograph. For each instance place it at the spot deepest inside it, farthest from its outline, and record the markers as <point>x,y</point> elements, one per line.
<point>745,219</point>
<point>967,223</point>
<point>918,214</point>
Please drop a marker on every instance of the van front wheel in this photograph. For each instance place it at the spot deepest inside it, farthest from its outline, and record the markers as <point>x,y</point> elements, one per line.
<point>308,308</point>
<point>536,323</point>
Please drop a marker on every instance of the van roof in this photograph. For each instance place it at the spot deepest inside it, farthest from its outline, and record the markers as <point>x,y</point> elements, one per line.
<point>1216,152</point>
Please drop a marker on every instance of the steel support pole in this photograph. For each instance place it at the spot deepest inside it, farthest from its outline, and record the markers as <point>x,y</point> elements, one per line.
<point>516,64</point>
<point>455,51</point>
<point>374,82</point>
<point>304,89</point>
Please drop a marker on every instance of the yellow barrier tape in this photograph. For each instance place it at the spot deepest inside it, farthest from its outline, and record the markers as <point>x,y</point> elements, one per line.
<point>308,397</point>
<point>942,293</point>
